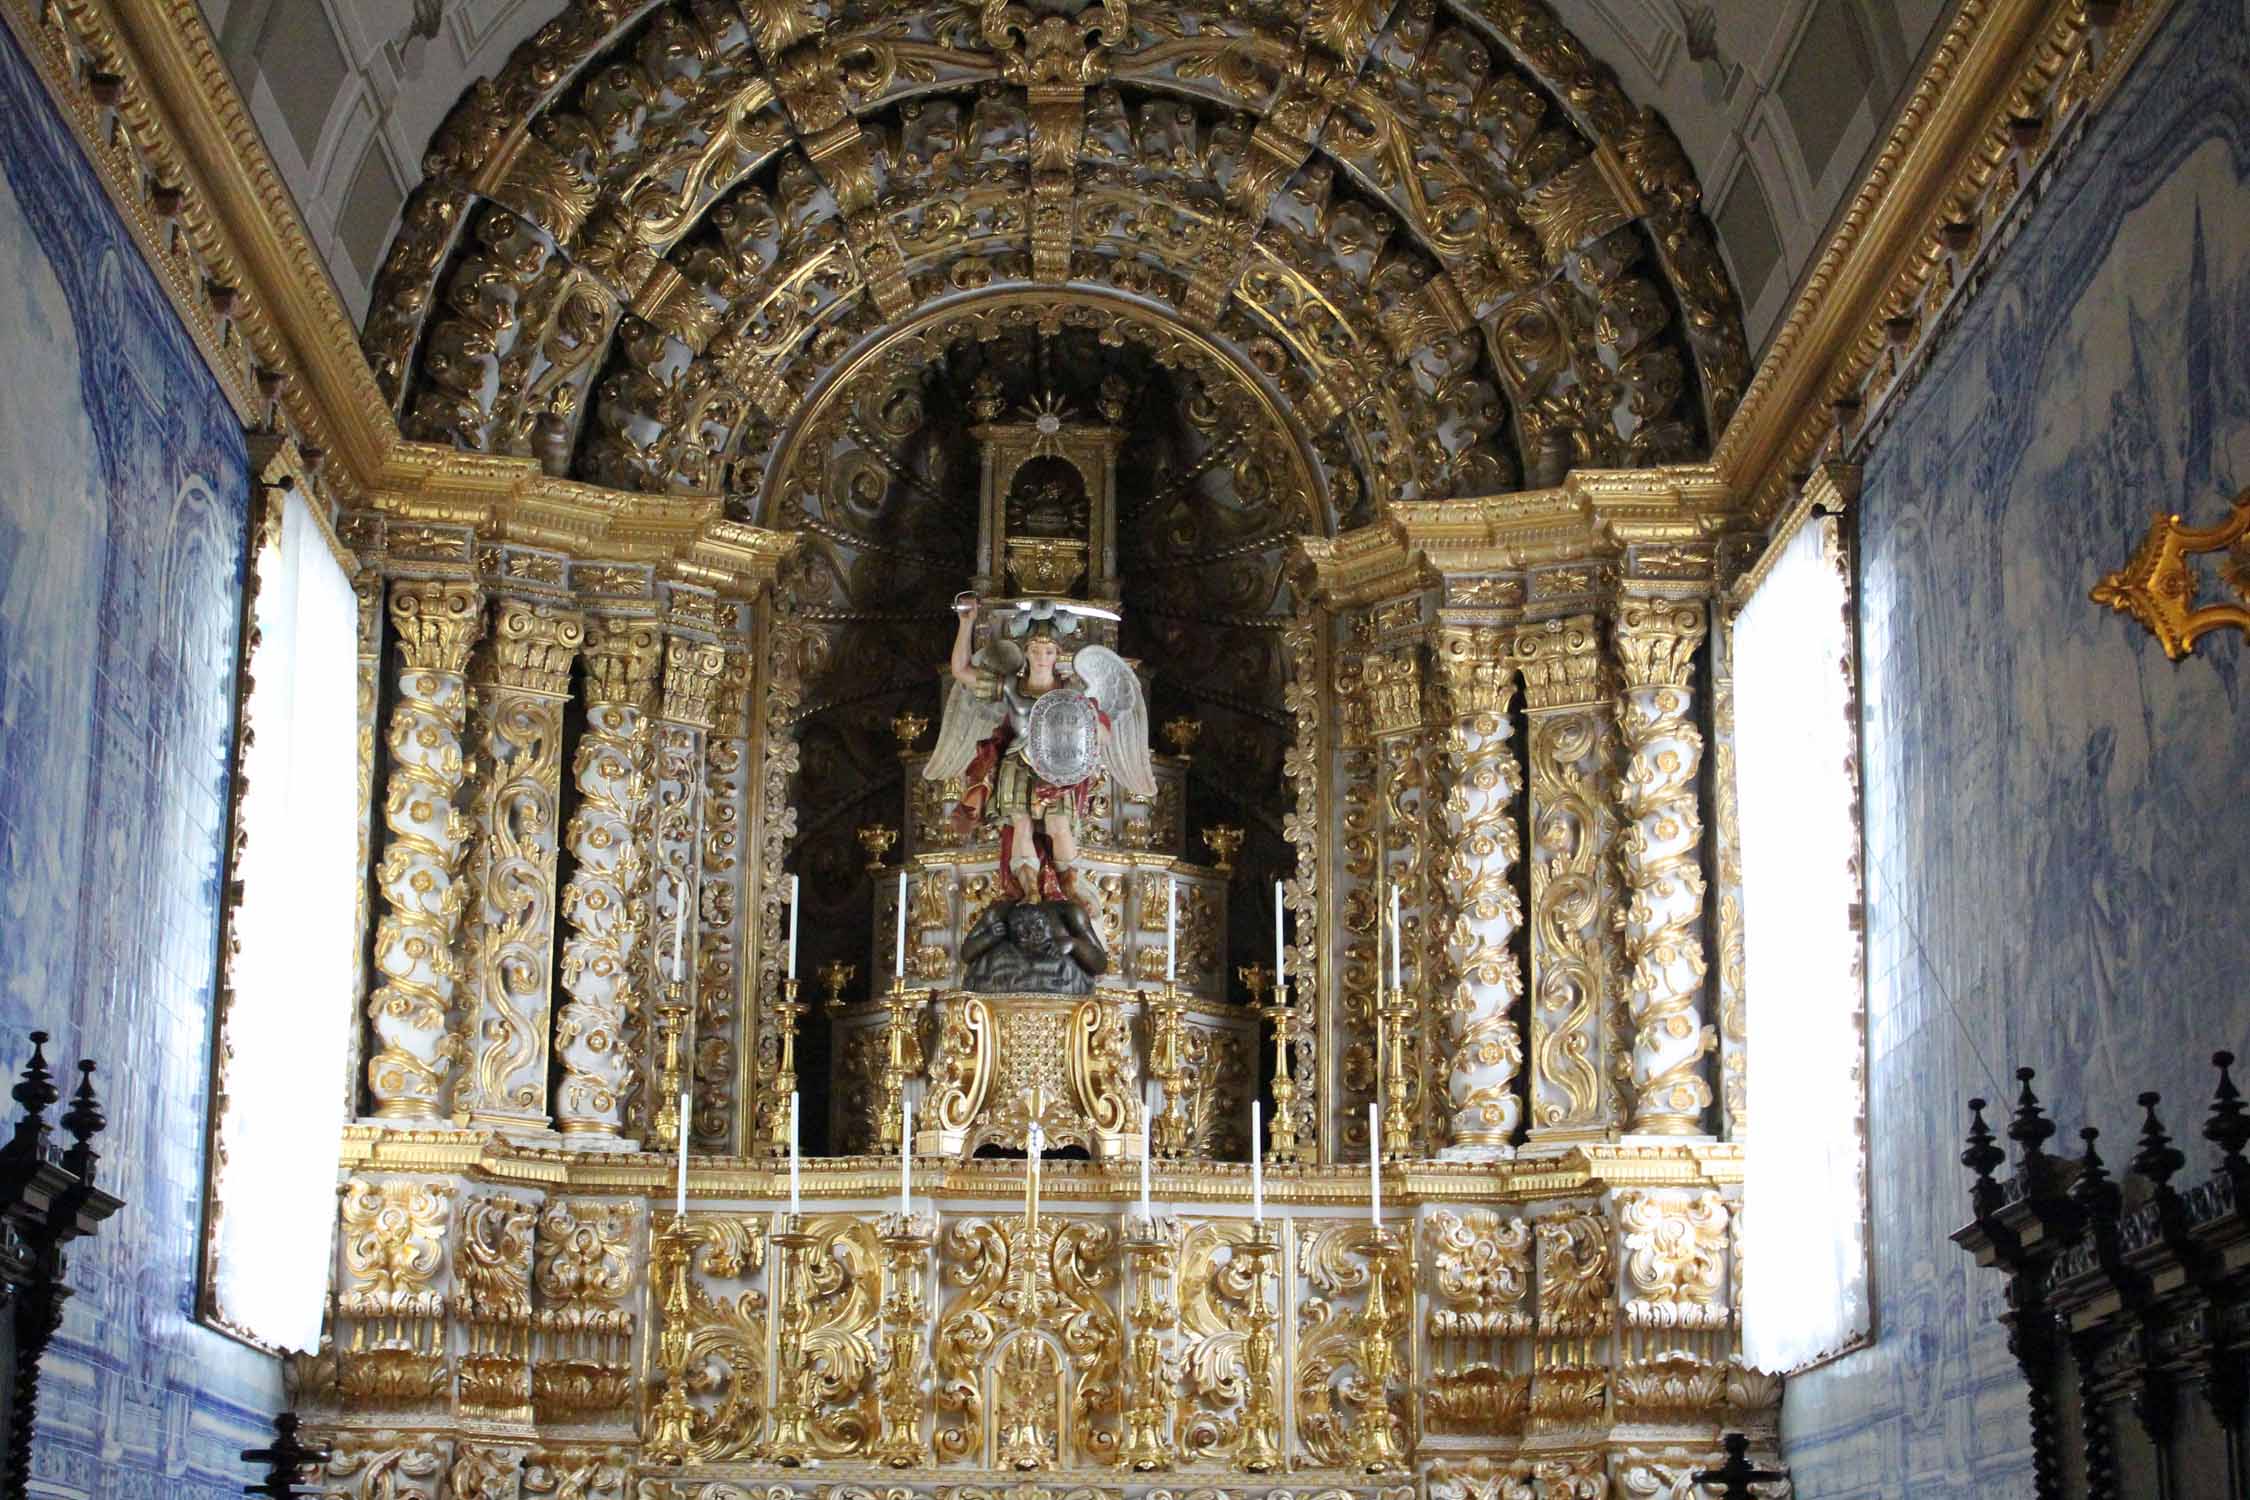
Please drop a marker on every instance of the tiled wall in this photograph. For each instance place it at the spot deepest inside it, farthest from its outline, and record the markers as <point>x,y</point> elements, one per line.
<point>122,487</point>
<point>2057,831</point>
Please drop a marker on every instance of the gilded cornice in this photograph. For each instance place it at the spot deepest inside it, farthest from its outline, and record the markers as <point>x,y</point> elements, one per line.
<point>1590,1168</point>
<point>1675,513</point>
<point>247,284</point>
<point>2001,89</point>
<point>233,254</point>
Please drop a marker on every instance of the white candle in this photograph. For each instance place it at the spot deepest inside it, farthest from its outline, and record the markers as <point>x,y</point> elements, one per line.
<point>1378,1010</point>
<point>685,893</point>
<point>1375,1165</point>
<point>1280,962</point>
<point>793,927</point>
<point>1171,928</point>
<point>794,1203</point>
<point>1396,986</point>
<point>900,961</point>
<point>679,1191</point>
<point>1145,1114</point>
<point>1257,1167</point>
<point>905,1154</point>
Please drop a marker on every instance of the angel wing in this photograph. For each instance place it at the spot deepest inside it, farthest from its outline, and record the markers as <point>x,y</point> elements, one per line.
<point>1111,683</point>
<point>969,719</point>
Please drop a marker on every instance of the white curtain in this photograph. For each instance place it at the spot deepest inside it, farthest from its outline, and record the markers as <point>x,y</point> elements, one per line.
<point>1804,1227</point>
<point>280,1127</point>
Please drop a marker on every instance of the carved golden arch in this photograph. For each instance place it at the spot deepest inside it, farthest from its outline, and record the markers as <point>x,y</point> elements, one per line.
<point>1170,341</point>
<point>1524,246</point>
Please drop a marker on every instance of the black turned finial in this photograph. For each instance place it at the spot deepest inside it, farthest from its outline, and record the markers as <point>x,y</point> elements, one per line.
<point>35,1093</point>
<point>1981,1156</point>
<point>2228,1126</point>
<point>2157,1158</point>
<point>84,1120</point>
<point>2095,1194</point>
<point>1736,1474</point>
<point>2030,1128</point>
<point>285,1459</point>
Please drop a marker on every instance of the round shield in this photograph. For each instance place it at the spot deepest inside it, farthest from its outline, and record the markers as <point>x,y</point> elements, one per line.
<point>1062,739</point>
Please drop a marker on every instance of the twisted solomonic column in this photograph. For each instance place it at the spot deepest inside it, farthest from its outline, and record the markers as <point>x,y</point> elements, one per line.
<point>606,901</point>
<point>1485,1049</point>
<point>521,695</point>
<point>1571,752</point>
<point>1660,842</point>
<point>413,1045</point>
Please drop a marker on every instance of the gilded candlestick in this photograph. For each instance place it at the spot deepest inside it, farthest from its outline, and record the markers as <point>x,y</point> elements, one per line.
<point>671,1429</point>
<point>902,1057</point>
<point>1148,1414</point>
<point>1374,1449</point>
<point>786,1015</point>
<point>1260,1449</point>
<point>1282,1137</point>
<point>791,1443</point>
<point>906,1245</point>
<point>1167,1014</point>
<point>671,1023</point>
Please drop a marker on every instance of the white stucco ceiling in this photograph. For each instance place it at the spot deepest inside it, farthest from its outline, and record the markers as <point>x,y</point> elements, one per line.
<point>1776,101</point>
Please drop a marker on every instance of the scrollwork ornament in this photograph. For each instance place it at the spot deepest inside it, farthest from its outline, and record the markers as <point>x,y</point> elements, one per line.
<point>511,934</point>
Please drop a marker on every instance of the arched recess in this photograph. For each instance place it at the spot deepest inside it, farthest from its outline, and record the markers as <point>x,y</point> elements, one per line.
<point>1451,241</point>
<point>878,475</point>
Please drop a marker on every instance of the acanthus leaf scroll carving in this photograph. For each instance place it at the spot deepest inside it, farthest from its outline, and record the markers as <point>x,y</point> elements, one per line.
<point>413,1011</point>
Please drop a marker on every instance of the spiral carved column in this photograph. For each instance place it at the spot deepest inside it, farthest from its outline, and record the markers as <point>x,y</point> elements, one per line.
<point>1661,844</point>
<point>527,682</point>
<point>1572,752</point>
<point>1486,1050</point>
<point>605,903</point>
<point>415,1048</point>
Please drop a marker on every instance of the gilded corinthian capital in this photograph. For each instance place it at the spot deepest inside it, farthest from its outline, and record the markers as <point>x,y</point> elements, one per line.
<point>621,657</point>
<point>1561,662</point>
<point>1394,690</point>
<point>532,645</point>
<point>437,621</point>
<point>1656,640</point>
<point>1478,676</point>
<point>691,678</point>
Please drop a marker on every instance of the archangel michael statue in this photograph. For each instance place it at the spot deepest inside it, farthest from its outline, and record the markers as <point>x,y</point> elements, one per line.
<point>1030,737</point>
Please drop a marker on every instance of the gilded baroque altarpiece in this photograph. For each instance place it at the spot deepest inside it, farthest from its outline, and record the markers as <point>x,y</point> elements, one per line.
<point>1385,344</point>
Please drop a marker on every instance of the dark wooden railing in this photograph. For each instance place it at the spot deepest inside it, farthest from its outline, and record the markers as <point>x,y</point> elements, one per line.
<point>47,1199</point>
<point>2125,1299</point>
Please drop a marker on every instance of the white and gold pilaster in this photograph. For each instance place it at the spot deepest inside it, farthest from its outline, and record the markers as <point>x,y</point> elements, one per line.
<point>1484,1047</point>
<point>414,1044</point>
<point>605,903</point>
<point>507,998</point>
<point>1661,843</point>
<point>1572,753</point>
<point>676,814</point>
